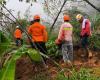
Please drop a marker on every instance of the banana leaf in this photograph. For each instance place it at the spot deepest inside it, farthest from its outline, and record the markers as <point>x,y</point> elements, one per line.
<point>8,71</point>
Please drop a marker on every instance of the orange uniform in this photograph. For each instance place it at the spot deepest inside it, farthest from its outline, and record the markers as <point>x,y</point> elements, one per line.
<point>18,33</point>
<point>38,32</point>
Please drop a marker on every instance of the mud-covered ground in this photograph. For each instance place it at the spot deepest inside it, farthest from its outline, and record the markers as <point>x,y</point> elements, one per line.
<point>28,70</point>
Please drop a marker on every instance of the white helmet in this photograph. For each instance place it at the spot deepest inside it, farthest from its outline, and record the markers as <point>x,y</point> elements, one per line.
<point>17,26</point>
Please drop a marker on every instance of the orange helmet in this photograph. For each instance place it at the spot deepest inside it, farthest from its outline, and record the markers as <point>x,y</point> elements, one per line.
<point>66,17</point>
<point>36,17</point>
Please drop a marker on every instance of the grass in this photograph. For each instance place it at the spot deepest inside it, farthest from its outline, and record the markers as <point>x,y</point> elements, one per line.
<point>82,74</point>
<point>4,43</point>
<point>41,76</point>
<point>96,72</point>
<point>4,47</point>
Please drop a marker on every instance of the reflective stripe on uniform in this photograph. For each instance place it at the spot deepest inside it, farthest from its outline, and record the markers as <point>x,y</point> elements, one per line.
<point>68,28</point>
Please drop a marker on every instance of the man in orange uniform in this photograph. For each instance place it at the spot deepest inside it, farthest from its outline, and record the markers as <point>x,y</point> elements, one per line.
<point>39,34</point>
<point>18,36</point>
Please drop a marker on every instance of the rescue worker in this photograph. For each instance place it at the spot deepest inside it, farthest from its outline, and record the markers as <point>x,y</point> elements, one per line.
<point>65,38</point>
<point>84,35</point>
<point>39,34</point>
<point>18,36</point>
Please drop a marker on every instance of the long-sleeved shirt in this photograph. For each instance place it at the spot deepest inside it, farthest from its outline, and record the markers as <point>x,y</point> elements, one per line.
<point>65,32</point>
<point>38,32</point>
<point>86,28</point>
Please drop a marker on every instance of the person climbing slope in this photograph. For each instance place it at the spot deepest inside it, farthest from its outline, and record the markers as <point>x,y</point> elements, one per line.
<point>84,35</point>
<point>65,38</point>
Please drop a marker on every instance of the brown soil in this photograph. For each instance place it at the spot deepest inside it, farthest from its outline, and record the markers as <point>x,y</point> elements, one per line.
<point>28,70</point>
<point>93,61</point>
<point>24,68</point>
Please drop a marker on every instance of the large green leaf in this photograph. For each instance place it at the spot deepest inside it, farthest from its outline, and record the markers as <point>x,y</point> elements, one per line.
<point>34,55</point>
<point>8,71</point>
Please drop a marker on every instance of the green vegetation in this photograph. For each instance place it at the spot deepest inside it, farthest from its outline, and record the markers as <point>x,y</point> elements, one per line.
<point>82,74</point>
<point>4,43</point>
<point>34,55</point>
<point>8,70</point>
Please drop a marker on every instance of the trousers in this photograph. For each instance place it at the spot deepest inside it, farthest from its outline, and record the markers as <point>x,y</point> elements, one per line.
<point>67,51</point>
<point>19,41</point>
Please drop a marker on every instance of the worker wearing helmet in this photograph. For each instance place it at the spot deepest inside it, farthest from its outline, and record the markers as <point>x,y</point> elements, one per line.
<point>65,38</point>
<point>18,36</point>
<point>85,33</point>
<point>39,34</point>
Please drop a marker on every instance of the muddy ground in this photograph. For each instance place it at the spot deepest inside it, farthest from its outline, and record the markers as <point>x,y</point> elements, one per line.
<point>29,70</point>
